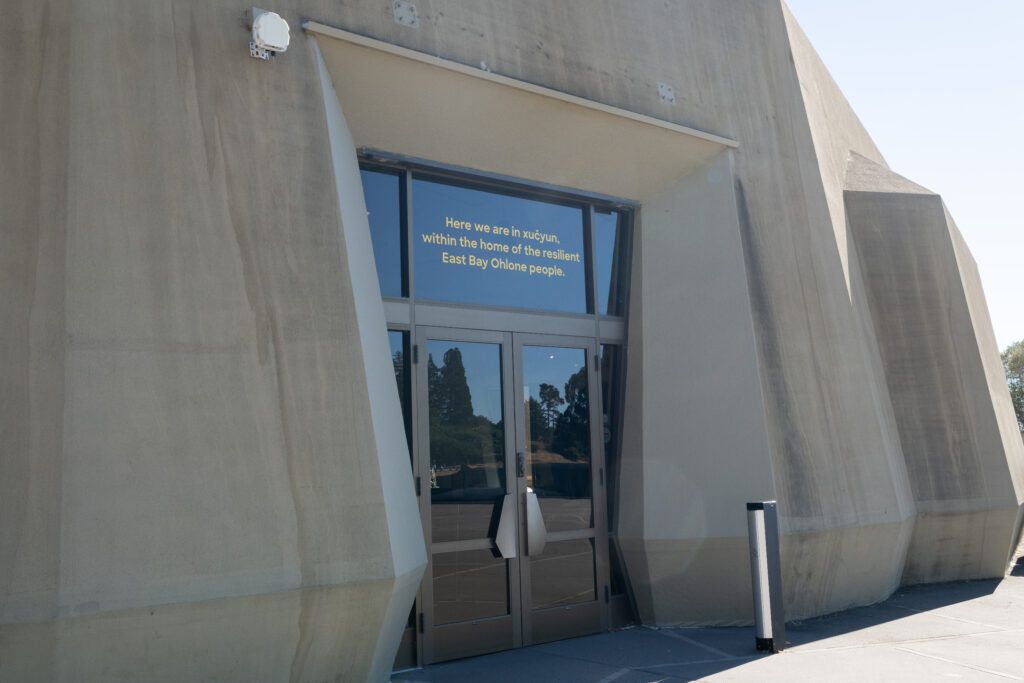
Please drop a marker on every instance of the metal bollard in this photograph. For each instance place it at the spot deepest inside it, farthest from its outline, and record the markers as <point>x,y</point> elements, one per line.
<point>766,576</point>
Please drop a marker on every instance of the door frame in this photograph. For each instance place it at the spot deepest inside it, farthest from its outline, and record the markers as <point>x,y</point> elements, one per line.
<point>522,626</point>
<point>555,623</point>
<point>493,633</point>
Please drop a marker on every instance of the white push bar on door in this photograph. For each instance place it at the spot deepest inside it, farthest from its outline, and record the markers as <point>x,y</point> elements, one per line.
<point>505,536</point>
<point>536,532</point>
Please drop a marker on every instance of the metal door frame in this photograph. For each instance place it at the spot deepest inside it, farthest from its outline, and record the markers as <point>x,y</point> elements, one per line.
<point>490,626</point>
<point>546,621</point>
<point>434,646</point>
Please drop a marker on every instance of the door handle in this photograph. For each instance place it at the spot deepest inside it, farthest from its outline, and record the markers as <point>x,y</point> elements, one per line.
<point>536,532</point>
<point>505,536</point>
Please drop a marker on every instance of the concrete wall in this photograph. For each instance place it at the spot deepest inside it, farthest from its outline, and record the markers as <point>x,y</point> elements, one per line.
<point>954,415</point>
<point>193,409</point>
<point>190,431</point>
<point>861,559</point>
<point>694,445</point>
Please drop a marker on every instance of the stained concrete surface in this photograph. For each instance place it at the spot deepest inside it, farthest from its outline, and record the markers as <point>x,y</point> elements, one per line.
<point>193,403</point>
<point>922,288</point>
<point>972,630</point>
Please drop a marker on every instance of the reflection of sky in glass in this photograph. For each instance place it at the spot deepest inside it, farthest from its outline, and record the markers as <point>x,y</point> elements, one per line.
<point>483,373</point>
<point>433,202</point>
<point>383,206</point>
<point>604,250</point>
<point>550,365</point>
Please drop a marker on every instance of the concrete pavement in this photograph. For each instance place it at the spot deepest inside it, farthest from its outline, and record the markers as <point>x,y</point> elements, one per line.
<point>971,631</point>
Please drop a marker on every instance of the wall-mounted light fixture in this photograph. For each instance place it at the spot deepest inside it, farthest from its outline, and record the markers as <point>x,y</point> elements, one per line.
<point>270,34</point>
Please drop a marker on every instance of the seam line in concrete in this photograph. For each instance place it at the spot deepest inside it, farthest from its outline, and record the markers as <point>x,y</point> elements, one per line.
<point>894,643</point>
<point>611,677</point>
<point>686,662</point>
<point>969,666</point>
<point>946,616</point>
<point>696,643</point>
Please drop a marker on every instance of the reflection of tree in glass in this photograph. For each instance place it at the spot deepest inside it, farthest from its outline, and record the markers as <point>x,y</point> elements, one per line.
<point>571,437</point>
<point>457,436</point>
<point>398,360</point>
<point>534,424</point>
<point>450,389</point>
<point>550,399</point>
<point>557,431</point>
<point>542,416</point>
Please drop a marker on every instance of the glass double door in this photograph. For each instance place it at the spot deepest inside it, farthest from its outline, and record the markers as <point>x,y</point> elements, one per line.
<point>512,490</point>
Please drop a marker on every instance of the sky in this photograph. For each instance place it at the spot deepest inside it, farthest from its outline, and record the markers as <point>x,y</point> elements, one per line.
<point>939,86</point>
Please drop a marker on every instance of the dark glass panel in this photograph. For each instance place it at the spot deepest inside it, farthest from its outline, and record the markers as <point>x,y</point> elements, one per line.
<point>399,342</point>
<point>478,247</point>
<point>563,574</point>
<point>383,192</point>
<point>611,387</point>
<point>611,380</point>
<point>472,584</point>
<point>557,422</point>
<point>467,438</point>
<point>616,574</point>
<point>610,248</point>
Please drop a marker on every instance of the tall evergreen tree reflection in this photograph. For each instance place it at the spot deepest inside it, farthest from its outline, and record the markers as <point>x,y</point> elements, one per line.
<point>458,437</point>
<point>571,437</point>
<point>558,424</point>
<point>550,399</point>
<point>558,431</point>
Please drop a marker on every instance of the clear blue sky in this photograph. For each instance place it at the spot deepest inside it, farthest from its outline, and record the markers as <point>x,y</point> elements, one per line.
<point>939,86</point>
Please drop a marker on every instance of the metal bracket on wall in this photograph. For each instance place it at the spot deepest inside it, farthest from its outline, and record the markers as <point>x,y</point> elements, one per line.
<point>258,52</point>
<point>667,92</point>
<point>405,14</point>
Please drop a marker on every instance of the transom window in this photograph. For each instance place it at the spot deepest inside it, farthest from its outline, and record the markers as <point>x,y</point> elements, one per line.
<point>479,243</point>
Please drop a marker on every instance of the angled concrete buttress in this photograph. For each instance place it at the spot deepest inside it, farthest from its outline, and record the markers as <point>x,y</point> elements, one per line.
<point>694,442</point>
<point>203,472</point>
<point>794,409</point>
<point>956,423</point>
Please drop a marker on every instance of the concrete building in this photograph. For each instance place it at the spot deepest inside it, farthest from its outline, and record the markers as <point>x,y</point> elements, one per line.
<point>600,272</point>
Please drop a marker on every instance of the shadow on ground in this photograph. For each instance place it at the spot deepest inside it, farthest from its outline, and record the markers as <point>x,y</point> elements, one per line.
<point>642,654</point>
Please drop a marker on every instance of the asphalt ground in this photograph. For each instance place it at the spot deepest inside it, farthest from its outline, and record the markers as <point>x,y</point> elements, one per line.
<point>967,630</point>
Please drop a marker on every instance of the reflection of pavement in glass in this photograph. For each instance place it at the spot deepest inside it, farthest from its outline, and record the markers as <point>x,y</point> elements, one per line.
<point>465,521</point>
<point>460,521</point>
<point>472,584</point>
<point>563,574</point>
<point>561,514</point>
